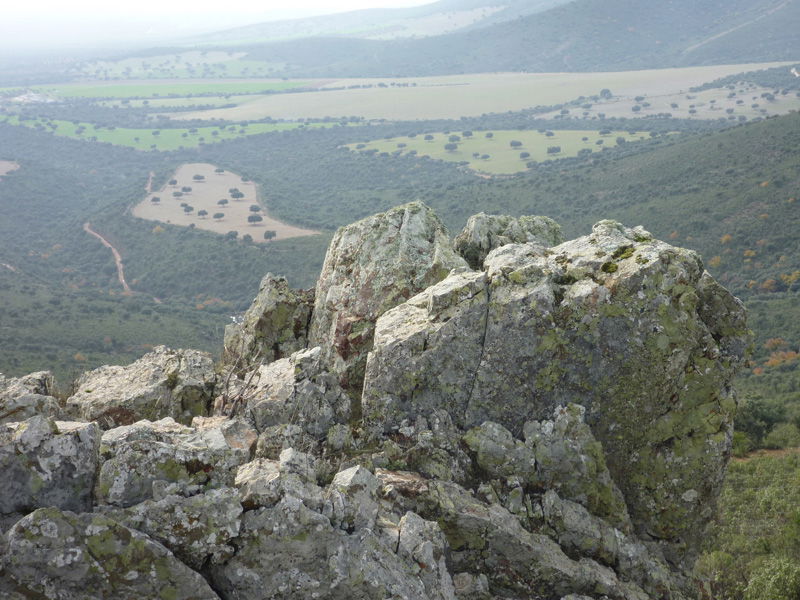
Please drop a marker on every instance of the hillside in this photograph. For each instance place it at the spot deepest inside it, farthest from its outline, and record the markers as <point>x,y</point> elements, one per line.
<point>583,35</point>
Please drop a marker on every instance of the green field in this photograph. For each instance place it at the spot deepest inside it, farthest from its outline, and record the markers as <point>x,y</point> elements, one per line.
<point>156,89</point>
<point>492,152</point>
<point>155,139</point>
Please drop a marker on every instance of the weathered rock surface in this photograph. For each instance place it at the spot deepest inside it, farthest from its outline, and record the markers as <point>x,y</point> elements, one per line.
<point>151,460</point>
<point>483,233</point>
<point>275,325</point>
<point>371,266</point>
<point>46,463</point>
<point>63,556</point>
<point>629,327</point>
<point>553,425</point>
<point>294,391</point>
<point>163,383</point>
<point>27,396</point>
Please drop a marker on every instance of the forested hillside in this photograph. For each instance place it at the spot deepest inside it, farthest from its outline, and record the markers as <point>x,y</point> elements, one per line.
<point>583,35</point>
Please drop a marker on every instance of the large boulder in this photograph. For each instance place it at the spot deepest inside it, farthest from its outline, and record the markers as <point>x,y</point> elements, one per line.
<point>27,396</point>
<point>47,463</point>
<point>631,328</point>
<point>275,325</point>
<point>63,556</point>
<point>483,233</point>
<point>163,383</point>
<point>371,266</point>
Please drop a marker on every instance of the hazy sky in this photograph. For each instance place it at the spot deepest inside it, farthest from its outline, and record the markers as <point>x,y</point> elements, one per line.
<point>26,24</point>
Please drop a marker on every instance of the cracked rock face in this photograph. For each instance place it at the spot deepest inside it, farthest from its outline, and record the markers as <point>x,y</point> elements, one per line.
<point>371,266</point>
<point>275,325</point>
<point>553,424</point>
<point>163,383</point>
<point>629,327</point>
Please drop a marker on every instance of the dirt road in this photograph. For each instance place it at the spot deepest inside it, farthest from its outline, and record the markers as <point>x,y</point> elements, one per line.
<point>87,227</point>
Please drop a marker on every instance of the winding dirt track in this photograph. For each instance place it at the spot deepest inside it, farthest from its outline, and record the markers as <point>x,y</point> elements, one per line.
<point>87,227</point>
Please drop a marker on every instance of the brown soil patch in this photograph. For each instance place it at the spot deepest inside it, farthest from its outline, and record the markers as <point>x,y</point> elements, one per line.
<point>6,166</point>
<point>204,196</point>
<point>771,453</point>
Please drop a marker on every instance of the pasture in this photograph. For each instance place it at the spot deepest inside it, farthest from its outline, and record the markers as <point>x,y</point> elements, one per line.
<point>155,139</point>
<point>454,96</point>
<point>500,152</point>
<point>205,195</point>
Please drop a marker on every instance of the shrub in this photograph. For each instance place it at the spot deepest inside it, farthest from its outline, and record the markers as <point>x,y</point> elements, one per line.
<point>778,578</point>
<point>785,435</point>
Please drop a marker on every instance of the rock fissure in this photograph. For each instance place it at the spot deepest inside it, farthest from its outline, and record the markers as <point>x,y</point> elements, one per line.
<point>542,426</point>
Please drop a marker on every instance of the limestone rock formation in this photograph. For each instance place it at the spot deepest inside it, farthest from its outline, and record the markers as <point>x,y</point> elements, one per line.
<point>483,233</point>
<point>275,325</point>
<point>371,266</point>
<point>552,424</point>
<point>163,383</point>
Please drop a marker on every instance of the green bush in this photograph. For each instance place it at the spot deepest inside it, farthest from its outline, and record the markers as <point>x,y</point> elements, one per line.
<point>785,435</point>
<point>777,578</point>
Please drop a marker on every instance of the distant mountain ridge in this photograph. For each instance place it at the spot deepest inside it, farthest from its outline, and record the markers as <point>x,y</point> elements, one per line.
<point>552,35</point>
<point>445,16</point>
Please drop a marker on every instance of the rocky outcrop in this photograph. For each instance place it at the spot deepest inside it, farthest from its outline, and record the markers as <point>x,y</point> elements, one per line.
<point>614,321</point>
<point>371,266</point>
<point>27,396</point>
<point>553,424</point>
<point>163,383</point>
<point>483,233</point>
<point>275,325</point>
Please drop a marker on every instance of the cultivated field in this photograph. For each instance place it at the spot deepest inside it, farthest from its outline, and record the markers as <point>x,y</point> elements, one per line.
<point>455,96</point>
<point>6,166</point>
<point>205,195</point>
<point>165,88</point>
<point>155,139</point>
<point>496,155</point>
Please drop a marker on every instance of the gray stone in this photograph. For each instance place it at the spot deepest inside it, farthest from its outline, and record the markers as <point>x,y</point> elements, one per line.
<point>620,323</point>
<point>372,266</point>
<point>483,233</point>
<point>63,556</point>
<point>27,396</point>
<point>163,458</point>
<point>273,327</point>
<point>47,463</point>
<point>163,383</point>
<point>197,529</point>
<point>296,391</point>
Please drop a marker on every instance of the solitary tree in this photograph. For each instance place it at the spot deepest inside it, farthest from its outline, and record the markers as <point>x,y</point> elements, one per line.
<point>255,208</point>
<point>173,182</point>
<point>187,209</point>
<point>198,177</point>
<point>155,199</point>
<point>202,213</point>
<point>428,138</point>
<point>219,170</point>
<point>222,202</point>
<point>237,195</point>
<point>186,189</point>
<point>553,149</point>
<point>524,155</point>
<point>455,138</point>
<point>270,234</point>
<point>219,216</point>
<point>177,194</point>
<point>451,147</point>
<point>489,135</point>
<point>253,219</point>
<point>515,143</point>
